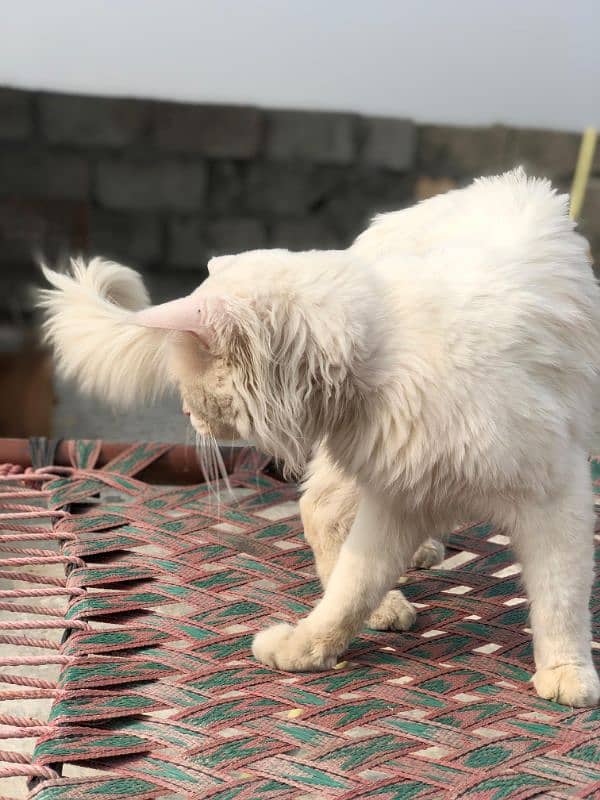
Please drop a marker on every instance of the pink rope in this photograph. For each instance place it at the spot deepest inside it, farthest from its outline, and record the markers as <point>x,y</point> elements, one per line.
<point>22,625</point>
<point>10,755</point>
<point>41,534</point>
<point>25,521</point>
<point>58,592</point>
<point>34,661</point>
<point>21,727</point>
<point>27,562</point>
<point>33,514</point>
<point>20,493</point>
<point>24,680</point>
<point>11,469</point>
<point>29,770</point>
<point>27,528</point>
<point>29,551</point>
<point>27,609</point>
<point>37,471</point>
<point>32,694</point>
<point>31,577</point>
<point>28,641</point>
<point>32,511</point>
<point>10,472</point>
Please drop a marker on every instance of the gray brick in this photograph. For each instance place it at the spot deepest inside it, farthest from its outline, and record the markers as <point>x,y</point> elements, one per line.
<point>364,193</point>
<point>192,240</point>
<point>304,234</point>
<point>30,228</point>
<point>389,143</point>
<point>320,137</point>
<point>173,283</point>
<point>426,187</point>
<point>188,244</point>
<point>287,189</point>
<point>148,184</point>
<point>32,173</point>
<point>92,121</point>
<point>125,236</point>
<point>226,188</point>
<point>461,153</point>
<point>22,232</point>
<point>589,222</point>
<point>214,131</point>
<point>16,297</point>
<point>15,114</point>
<point>596,161</point>
<point>227,236</point>
<point>549,154</point>
<point>591,203</point>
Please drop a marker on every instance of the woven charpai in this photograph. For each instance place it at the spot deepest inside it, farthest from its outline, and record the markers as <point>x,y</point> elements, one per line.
<point>158,695</point>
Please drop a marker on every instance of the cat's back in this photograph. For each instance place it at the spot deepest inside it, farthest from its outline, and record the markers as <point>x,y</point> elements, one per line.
<point>503,244</point>
<point>508,214</point>
<point>494,319</point>
<point>491,288</point>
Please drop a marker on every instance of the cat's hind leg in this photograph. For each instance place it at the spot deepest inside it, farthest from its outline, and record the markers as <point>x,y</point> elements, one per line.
<point>328,508</point>
<point>554,542</point>
<point>430,554</point>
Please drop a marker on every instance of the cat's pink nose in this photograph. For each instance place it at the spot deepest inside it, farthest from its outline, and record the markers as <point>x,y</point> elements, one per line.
<point>186,410</point>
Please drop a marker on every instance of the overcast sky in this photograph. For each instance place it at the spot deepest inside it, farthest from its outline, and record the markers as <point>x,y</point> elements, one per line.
<point>524,62</point>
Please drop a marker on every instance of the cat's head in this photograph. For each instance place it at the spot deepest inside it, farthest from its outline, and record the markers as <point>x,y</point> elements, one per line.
<point>266,347</point>
<point>260,350</point>
<point>269,348</point>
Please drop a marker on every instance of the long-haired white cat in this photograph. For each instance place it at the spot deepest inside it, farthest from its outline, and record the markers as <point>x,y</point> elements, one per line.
<point>443,365</point>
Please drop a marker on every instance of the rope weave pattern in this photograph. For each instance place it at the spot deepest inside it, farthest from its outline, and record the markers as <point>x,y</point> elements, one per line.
<point>157,593</point>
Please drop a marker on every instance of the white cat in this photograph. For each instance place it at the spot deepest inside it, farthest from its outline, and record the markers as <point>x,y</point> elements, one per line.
<point>444,364</point>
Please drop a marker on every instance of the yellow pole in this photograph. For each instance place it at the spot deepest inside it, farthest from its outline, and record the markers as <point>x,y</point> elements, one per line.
<point>582,171</point>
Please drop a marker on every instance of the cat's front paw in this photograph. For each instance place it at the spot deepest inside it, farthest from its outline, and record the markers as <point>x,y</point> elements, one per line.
<point>570,684</point>
<point>294,648</point>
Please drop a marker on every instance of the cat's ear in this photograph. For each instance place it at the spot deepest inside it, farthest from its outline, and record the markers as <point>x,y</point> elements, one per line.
<point>197,314</point>
<point>217,263</point>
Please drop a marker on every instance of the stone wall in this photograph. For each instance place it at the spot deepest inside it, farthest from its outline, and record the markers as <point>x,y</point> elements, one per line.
<point>162,186</point>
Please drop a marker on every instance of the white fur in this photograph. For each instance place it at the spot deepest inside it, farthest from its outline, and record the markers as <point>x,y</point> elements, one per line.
<point>89,324</point>
<point>443,365</point>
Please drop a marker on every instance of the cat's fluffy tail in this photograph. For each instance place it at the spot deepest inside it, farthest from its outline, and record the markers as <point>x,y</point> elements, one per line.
<point>89,324</point>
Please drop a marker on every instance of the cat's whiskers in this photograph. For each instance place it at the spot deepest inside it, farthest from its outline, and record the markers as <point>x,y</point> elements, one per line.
<point>210,443</point>
<point>230,454</point>
<point>221,468</point>
<point>213,468</point>
<point>189,432</point>
<point>201,452</point>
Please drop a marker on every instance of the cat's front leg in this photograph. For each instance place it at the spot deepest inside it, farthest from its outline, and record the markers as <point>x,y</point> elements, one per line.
<point>328,508</point>
<point>378,549</point>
